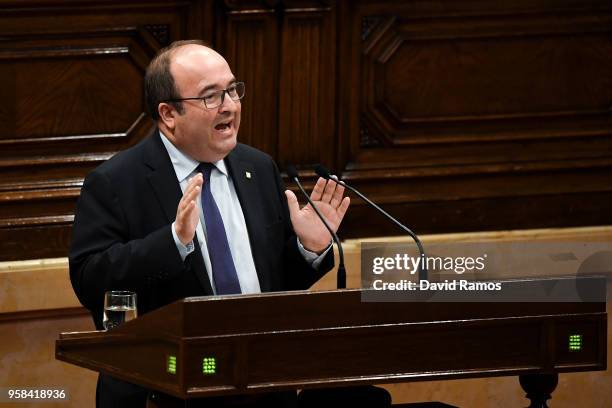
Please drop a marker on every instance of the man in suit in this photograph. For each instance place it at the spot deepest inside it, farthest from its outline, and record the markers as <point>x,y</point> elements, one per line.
<point>189,211</point>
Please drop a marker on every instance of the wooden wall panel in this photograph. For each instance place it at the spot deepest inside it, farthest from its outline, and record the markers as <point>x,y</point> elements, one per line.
<point>36,114</point>
<point>477,108</point>
<point>425,86</point>
<point>307,91</point>
<point>284,51</point>
<point>454,115</point>
<point>248,38</point>
<point>72,96</point>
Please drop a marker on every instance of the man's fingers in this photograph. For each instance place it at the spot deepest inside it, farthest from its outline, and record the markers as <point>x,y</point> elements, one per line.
<point>191,207</point>
<point>185,224</point>
<point>330,187</point>
<point>196,181</point>
<point>185,209</point>
<point>182,205</point>
<point>187,212</point>
<point>337,197</point>
<point>194,187</point>
<point>190,195</point>
<point>317,191</point>
<point>292,203</point>
<point>344,205</point>
<point>189,191</point>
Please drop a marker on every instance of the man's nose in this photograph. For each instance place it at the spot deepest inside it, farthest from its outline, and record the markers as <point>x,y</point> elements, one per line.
<point>228,104</point>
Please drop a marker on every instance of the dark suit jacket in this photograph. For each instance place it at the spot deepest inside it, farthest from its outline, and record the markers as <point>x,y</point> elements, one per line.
<point>122,238</point>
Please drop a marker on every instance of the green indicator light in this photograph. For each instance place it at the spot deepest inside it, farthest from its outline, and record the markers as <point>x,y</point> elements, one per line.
<point>575,342</point>
<point>171,367</point>
<point>209,365</point>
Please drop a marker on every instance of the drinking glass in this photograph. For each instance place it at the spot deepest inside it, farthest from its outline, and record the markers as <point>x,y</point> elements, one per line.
<point>119,307</point>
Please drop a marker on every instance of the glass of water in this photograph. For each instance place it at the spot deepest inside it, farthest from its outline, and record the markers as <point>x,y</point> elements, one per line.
<point>119,307</point>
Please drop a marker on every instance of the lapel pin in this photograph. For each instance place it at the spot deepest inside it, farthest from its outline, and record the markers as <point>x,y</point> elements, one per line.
<point>247,174</point>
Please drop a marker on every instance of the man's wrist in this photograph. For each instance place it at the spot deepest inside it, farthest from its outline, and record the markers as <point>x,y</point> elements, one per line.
<point>184,249</point>
<point>313,258</point>
<point>317,248</point>
<point>184,240</point>
<point>308,248</point>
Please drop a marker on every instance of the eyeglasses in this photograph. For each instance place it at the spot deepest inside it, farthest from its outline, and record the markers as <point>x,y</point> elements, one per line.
<point>215,99</point>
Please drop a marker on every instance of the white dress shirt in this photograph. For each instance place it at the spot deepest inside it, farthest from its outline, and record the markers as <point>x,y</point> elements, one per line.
<point>224,193</point>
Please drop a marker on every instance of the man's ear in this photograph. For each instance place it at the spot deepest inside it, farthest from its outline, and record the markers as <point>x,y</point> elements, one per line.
<point>167,114</point>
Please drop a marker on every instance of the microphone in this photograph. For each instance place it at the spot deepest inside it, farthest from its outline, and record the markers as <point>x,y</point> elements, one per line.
<point>341,276</point>
<point>323,172</point>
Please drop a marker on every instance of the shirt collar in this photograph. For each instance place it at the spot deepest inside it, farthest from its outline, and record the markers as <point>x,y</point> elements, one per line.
<point>184,165</point>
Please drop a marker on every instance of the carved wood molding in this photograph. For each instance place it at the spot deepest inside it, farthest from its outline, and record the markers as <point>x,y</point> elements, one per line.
<point>366,137</point>
<point>368,25</point>
<point>71,82</point>
<point>161,32</point>
<point>398,54</point>
<point>251,4</point>
<point>278,5</point>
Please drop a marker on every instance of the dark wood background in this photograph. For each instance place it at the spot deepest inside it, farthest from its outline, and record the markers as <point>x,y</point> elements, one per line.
<point>457,115</point>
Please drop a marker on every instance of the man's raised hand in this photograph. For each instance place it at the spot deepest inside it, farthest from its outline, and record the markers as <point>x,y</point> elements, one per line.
<point>328,197</point>
<point>187,213</point>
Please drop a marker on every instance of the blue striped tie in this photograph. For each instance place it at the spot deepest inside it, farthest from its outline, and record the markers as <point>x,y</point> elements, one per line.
<point>223,269</point>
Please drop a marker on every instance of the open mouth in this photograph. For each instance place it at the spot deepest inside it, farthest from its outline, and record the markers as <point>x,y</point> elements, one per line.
<point>224,126</point>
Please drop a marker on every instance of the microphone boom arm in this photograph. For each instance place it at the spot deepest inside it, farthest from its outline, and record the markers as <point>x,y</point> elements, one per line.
<point>423,263</point>
<point>341,275</point>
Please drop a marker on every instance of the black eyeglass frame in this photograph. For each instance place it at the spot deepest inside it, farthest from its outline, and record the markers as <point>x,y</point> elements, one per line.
<point>223,92</point>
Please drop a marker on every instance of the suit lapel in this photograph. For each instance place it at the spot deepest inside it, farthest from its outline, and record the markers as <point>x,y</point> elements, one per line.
<point>246,182</point>
<point>162,179</point>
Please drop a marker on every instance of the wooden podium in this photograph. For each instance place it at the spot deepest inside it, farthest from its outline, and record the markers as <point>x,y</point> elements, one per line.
<point>211,346</point>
